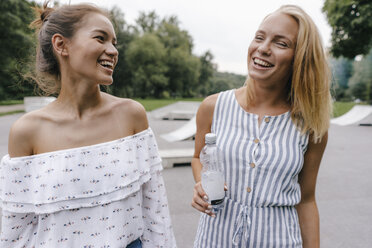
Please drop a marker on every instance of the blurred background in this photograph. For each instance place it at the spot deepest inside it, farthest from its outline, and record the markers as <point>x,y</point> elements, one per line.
<point>187,49</point>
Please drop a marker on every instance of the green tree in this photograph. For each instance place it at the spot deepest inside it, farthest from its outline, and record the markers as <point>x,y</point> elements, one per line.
<point>156,58</point>
<point>207,69</point>
<point>184,67</point>
<point>122,85</point>
<point>16,45</point>
<point>219,85</point>
<point>361,81</point>
<point>351,22</point>
<point>224,80</point>
<point>148,22</point>
<point>341,73</point>
<point>145,56</point>
<point>172,36</point>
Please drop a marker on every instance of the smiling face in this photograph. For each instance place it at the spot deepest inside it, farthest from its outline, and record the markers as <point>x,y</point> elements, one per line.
<point>92,54</point>
<point>271,53</point>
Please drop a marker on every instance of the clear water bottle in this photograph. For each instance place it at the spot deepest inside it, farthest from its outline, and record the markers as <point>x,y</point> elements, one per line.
<point>212,176</point>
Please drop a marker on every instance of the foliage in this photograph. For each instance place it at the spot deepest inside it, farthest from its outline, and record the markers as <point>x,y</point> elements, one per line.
<point>351,22</point>
<point>361,81</point>
<point>160,59</point>
<point>207,69</point>
<point>16,43</point>
<point>341,72</point>
<point>155,56</point>
<point>146,59</point>
<point>223,81</point>
<point>122,74</point>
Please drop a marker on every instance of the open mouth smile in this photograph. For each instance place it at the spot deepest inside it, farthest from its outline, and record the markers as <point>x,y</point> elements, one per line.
<point>262,63</point>
<point>107,64</point>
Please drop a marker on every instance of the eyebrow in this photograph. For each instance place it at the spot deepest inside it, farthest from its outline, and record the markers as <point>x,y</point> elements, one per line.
<point>104,33</point>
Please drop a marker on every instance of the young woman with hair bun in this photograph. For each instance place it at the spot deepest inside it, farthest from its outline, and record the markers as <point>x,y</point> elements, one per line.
<point>84,171</point>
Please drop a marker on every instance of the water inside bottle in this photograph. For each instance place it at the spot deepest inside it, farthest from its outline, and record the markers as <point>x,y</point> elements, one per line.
<point>213,184</point>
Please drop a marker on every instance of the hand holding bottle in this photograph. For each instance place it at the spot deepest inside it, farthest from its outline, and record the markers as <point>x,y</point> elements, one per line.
<point>200,200</point>
<point>211,189</point>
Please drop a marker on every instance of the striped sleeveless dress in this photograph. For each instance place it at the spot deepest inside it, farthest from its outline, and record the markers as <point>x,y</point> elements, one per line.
<point>262,163</point>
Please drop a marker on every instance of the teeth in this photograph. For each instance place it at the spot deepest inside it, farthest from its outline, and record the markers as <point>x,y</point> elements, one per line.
<point>261,62</point>
<point>106,63</point>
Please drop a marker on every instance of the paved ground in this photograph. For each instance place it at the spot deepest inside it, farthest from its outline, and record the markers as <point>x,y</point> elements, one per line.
<point>344,190</point>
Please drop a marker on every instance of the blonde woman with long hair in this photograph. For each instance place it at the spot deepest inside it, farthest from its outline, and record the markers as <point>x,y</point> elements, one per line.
<point>272,133</point>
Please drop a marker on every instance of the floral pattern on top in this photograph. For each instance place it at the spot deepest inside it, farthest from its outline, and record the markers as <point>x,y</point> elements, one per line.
<point>103,195</point>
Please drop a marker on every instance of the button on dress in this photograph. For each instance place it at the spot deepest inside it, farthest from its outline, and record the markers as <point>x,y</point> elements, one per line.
<point>103,195</point>
<point>262,163</point>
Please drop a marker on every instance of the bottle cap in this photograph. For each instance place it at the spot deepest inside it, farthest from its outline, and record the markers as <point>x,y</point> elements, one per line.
<point>210,138</point>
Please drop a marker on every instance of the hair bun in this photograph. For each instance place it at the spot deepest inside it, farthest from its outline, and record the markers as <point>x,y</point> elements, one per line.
<point>45,12</point>
<point>42,15</point>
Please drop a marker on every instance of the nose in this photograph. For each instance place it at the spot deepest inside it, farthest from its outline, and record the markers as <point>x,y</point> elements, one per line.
<point>264,48</point>
<point>111,50</point>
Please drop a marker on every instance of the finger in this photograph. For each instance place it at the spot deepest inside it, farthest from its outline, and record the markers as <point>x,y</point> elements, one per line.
<point>201,201</point>
<point>197,207</point>
<point>201,205</point>
<point>200,190</point>
<point>210,213</point>
<point>225,187</point>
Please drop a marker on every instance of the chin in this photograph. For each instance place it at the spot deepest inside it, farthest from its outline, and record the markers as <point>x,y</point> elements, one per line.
<point>253,75</point>
<point>106,81</point>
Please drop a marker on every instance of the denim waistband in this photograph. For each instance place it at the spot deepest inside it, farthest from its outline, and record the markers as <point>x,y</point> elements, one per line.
<point>135,244</point>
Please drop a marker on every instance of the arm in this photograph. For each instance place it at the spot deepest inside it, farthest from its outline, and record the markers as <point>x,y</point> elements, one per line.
<point>204,119</point>
<point>307,209</point>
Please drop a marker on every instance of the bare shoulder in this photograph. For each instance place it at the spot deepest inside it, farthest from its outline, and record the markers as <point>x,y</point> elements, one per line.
<point>132,111</point>
<point>23,133</point>
<point>206,109</point>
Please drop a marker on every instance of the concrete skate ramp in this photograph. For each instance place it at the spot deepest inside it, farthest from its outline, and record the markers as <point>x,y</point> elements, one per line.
<point>358,114</point>
<point>183,110</point>
<point>186,131</point>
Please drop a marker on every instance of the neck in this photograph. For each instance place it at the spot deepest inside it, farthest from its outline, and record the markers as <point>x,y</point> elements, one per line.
<point>79,97</point>
<point>269,96</point>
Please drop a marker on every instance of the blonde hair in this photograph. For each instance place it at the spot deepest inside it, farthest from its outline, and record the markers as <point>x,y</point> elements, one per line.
<point>309,86</point>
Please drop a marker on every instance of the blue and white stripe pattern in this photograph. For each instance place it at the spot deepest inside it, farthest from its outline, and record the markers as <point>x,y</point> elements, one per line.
<point>262,163</point>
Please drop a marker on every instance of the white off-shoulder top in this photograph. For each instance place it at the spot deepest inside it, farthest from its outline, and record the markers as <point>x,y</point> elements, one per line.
<point>103,195</point>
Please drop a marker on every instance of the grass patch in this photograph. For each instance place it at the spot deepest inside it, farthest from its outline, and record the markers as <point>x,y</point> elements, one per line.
<point>12,112</point>
<point>340,108</point>
<point>151,104</point>
<point>11,102</point>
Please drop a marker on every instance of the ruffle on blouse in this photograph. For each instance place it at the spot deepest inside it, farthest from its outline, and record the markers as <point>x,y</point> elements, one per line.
<point>79,177</point>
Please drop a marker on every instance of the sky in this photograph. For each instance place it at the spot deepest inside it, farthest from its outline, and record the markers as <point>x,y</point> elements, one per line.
<point>223,27</point>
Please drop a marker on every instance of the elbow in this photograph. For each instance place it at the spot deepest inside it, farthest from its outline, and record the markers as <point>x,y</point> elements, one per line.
<point>308,198</point>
